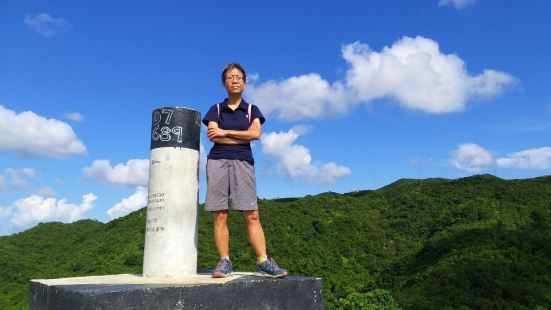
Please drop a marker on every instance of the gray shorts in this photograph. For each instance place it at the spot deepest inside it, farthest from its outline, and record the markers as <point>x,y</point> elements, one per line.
<point>230,179</point>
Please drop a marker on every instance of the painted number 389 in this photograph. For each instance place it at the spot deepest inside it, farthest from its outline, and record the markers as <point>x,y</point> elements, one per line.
<point>165,133</point>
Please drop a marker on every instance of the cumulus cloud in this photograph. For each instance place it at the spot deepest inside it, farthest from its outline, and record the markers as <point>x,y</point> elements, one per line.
<point>295,161</point>
<point>300,97</point>
<point>538,158</point>
<point>46,25</point>
<point>413,71</point>
<point>458,4</point>
<point>474,158</point>
<point>5,212</point>
<point>330,172</point>
<point>301,129</point>
<point>134,173</point>
<point>45,192</point>
<point>418,76</point>
<point>3,184</point>
<point>489,83</point>
<point>19,177</point>
<point>129,204</point>
<point>29,134</point>
<point>74,116</point>
<point>34,209</point>
<point>202,157</point>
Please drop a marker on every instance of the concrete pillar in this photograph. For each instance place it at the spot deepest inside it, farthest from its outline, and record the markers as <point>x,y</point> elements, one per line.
<point>171,229</point>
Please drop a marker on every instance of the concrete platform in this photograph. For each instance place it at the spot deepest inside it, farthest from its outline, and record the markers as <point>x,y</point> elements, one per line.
<point>128,291</point>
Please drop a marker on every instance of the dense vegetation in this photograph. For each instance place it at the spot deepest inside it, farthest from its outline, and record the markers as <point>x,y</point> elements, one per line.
<point>473,243</point>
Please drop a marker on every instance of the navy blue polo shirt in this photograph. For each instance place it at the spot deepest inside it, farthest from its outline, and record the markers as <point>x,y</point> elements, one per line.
<point>232,120</point>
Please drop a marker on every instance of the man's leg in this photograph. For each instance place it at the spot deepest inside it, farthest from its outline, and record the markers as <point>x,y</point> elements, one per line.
<point>222,239</point>
<point>216,201</point>
<point>243,185</point>
<point>264,267</point>
<point>221,232</point>
<point>255,232</point>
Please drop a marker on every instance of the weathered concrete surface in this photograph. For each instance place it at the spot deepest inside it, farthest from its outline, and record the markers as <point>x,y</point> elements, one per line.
<point>171,228</point>
<point>241,291</point>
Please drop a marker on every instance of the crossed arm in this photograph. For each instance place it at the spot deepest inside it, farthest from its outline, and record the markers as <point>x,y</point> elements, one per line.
<point>222,136</point>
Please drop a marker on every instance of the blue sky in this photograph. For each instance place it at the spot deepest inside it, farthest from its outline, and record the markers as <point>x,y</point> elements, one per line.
<point>357,94</point>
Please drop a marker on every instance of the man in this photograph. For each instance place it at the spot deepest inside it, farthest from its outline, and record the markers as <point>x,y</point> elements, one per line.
<point>232,124</point>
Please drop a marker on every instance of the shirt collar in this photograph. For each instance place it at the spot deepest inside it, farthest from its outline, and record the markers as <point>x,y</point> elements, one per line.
<point>243,105</point>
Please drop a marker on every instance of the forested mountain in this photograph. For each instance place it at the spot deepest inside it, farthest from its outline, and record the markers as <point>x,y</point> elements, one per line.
<point>478,242</point>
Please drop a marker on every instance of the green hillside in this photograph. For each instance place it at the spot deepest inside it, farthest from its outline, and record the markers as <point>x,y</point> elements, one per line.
<point>472,243</point>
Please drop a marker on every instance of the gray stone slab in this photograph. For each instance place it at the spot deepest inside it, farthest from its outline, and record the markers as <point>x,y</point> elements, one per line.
<point>242,291</point>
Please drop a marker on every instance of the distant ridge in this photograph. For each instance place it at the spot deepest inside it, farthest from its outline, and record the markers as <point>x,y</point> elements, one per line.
<point>410,182</point>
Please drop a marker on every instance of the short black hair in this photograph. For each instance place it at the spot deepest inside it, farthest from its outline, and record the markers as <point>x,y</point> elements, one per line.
<point>233,65</point>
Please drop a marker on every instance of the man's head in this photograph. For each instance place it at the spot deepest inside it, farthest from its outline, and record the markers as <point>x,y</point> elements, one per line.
<point>231,66</point>
<point>234,78</point>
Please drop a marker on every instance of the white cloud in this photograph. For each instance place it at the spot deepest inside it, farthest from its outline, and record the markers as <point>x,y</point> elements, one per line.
<point>330,172</point>
<point>45,192</point>
<point>301,129</point>
<point>295,160</point>
<point>134,173</point>
<point>458,4</point>
<point>19,177</point>
<point>489,83</point>
<point>34,209</point>
<point>74,116</point>
<point>202,157</point>
<point>472,157</point>
<point>129,204</point>
<point>3,184</point>
<point>539,158</point>
<point>46,25</point>
<point>5,212</point>
<point>305,96</point>
<point>29,134</point>
<point>413,71</point>
<point>418,76</point>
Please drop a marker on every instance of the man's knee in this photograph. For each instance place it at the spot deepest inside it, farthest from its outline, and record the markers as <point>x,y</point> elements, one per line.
<point>220,217</point>
<point>251,216</point>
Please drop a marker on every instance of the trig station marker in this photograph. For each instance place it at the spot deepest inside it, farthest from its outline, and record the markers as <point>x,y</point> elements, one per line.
<point>171,229</point>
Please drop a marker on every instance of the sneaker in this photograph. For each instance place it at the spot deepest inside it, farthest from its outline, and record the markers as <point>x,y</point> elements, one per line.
<point>270,269</point>
<point>223,269</point>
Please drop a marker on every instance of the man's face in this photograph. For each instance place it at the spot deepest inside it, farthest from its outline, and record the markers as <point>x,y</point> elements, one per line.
<point>233,82</point>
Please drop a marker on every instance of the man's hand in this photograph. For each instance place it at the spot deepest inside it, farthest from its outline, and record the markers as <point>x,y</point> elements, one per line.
<point>255,125</point>
<point>218,135</point>
<point>222,136</point>
<point>215,132</point>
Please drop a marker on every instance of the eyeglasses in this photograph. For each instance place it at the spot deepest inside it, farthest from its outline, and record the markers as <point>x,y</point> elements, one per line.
<point>238,78</point>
